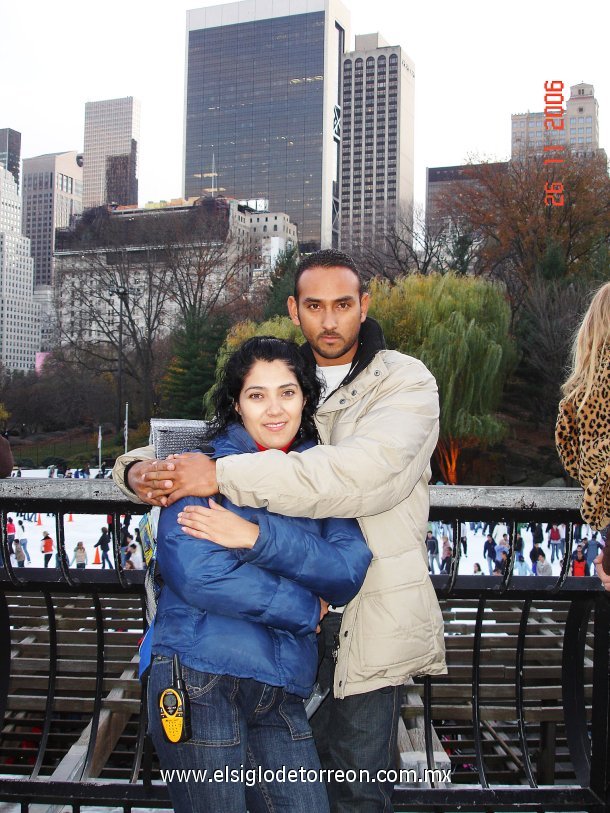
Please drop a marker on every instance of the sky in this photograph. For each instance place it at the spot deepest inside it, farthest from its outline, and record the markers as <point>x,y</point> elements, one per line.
<point>476,62</point>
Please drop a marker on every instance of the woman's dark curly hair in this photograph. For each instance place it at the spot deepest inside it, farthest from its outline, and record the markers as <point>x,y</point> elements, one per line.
<point>264,348</point>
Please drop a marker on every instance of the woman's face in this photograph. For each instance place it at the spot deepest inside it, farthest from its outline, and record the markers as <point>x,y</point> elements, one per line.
<point>270,404</point>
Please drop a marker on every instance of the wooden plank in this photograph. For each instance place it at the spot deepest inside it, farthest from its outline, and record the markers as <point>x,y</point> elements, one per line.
<point>84,685</point>
<point>500,691</point>
<point>22,665</point>
<point>493,712</point>
<point>85,705</point>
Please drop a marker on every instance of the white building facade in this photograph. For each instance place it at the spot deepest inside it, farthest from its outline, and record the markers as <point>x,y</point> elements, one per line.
<point>20,320</point>
<point>580,133</point>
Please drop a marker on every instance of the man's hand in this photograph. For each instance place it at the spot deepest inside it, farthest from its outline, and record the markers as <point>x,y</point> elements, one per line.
<point>193,475</point>
<point>218,525</point>
<point>162,482</point>
<point>605,577</point>
<point>141,486</point>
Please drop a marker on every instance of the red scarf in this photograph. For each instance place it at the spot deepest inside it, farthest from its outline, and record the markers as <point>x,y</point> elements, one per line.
<point>283,449</point>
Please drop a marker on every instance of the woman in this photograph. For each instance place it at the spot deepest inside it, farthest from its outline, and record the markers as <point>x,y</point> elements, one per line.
<point>242,615</point>
<point>584,413</point>
<point>19,553</point>
<point>80,556</point>
<point>579,564</point>
<point>47,547</point>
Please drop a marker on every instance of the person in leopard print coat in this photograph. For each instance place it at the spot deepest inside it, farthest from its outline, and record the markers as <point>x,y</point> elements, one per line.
<point>582,432</point>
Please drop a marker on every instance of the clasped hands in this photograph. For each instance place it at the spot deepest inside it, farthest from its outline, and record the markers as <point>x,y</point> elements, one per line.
<point>162,482</point>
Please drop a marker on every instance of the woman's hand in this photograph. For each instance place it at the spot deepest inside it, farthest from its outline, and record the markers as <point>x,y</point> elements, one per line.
<point>218,525</point>
<point>323,612</point>
<point>603,574</point>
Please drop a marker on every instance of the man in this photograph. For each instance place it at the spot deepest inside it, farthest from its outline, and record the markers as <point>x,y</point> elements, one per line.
<point>534,553</point>
<point>591,551</point>
<point>378,422</point>
<point>543,568</point>
<point>489,552</point>
<point>432,548</point>
<point>503,562</point>
<point>103,543</point>
<point>502,547</point>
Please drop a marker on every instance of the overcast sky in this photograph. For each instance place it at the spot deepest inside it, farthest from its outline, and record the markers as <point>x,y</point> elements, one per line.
<point>476,62</point>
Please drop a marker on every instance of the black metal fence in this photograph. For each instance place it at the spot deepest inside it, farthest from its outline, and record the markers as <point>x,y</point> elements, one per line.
<point>522,720</point>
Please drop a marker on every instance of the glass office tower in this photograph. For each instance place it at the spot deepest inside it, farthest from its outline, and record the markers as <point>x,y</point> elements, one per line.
<point>262,114</point>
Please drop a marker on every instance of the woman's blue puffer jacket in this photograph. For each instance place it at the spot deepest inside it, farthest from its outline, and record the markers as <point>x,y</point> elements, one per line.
<point>253,612</point>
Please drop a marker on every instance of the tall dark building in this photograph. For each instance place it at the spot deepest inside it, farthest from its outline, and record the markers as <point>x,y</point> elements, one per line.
<point>10,151</point>
<point>262,108</point>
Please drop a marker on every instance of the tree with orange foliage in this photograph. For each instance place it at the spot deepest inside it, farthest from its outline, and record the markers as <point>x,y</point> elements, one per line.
<point>515,226</point>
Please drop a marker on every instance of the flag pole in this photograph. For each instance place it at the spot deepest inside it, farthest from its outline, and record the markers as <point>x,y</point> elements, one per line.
<point>126,427</point>
<point>99,448</point>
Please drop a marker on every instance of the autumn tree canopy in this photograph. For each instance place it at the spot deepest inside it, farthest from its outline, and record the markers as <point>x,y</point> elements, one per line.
<point>515,233</point>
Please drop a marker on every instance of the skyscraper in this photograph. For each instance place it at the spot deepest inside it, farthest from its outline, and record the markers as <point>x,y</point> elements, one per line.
<point>110,170</point>
<point>262,108</point>
<point>52,193</point>
<point>377,139</point>
<point>19,315</point>
<point>10,151</point>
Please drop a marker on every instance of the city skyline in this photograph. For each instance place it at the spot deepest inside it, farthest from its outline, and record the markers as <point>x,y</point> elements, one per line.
<point>468,79</point>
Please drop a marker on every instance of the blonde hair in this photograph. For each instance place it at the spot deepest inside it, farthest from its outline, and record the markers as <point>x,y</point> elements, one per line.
<point>589,344</point>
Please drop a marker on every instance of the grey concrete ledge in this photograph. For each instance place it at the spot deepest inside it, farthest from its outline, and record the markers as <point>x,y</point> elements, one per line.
<point>451,497</point>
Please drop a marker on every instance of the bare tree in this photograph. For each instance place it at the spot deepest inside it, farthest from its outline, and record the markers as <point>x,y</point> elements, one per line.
<point>208,259</point>
<point>408,245</point>
<point>124,280</point>
<point>112,304</point>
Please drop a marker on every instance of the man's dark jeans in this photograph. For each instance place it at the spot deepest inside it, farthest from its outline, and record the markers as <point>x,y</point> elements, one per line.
<point>355,734</point>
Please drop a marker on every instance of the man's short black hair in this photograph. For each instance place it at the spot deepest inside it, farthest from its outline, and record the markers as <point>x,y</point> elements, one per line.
<point>327,258</point>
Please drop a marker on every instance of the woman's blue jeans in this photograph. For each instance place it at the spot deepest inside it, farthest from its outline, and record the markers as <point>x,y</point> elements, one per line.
<point>251,734</point>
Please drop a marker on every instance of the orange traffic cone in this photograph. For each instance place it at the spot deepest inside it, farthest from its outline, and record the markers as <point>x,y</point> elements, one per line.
<point>70,518</point>
<point>96,558</point>
<point>39,520</point>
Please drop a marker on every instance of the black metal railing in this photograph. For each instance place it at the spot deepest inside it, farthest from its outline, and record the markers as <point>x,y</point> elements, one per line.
<point>521,721</point>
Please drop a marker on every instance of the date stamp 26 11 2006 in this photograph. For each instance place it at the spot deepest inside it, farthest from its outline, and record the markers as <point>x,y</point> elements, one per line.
<point>554,121</point>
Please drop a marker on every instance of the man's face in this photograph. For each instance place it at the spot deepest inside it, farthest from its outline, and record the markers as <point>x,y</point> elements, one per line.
<point>329,311</point>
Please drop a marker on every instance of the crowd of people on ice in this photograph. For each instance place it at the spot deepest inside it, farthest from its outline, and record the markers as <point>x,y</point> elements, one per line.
<point>496,548</point>
<point>19,539</point>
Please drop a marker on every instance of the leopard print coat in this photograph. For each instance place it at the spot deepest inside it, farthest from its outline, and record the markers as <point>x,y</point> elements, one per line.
<point>583,444</point>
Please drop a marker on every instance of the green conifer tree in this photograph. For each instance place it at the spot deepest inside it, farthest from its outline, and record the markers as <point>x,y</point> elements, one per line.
<point>192,368</point>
